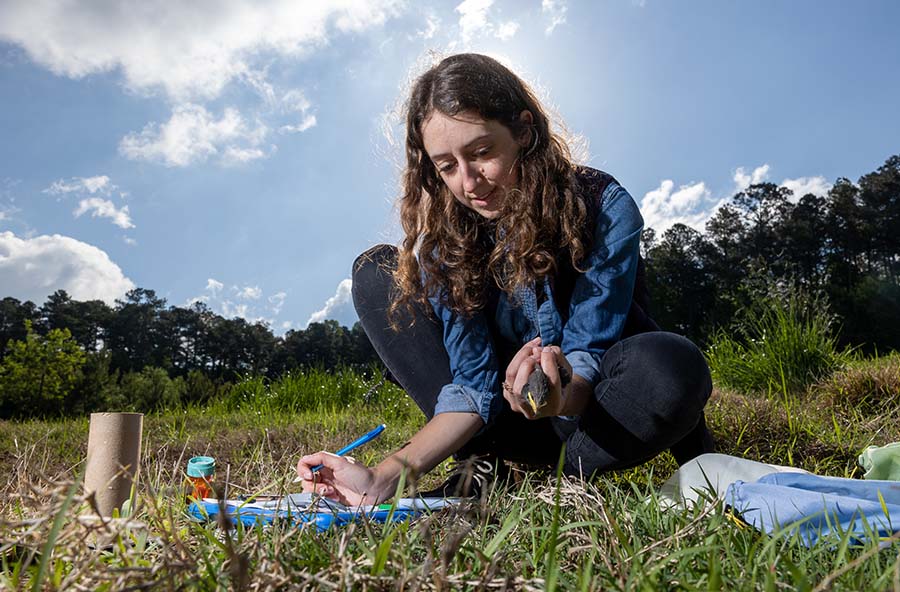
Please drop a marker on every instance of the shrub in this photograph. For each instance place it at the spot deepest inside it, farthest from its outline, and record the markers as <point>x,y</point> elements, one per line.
<point>782,341</point>
<point>151,389</point>
<point>319,390</point>
<point>37,374</point>
<point>201,389</point>
<point>98,387</point>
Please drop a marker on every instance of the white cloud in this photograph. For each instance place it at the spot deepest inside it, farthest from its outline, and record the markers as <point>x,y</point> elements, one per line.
<point>129,241</point>
<point>8,209</point>
<point>295,102</point>
<point>338,307</point>
<point>662,208</point>
<point>243,302</point>
<point>307,122</point>
<point>192,134</point>
<point>277,302</point>
<point>507,30</point>
<point>249,293</point>
<point>103,208</point>
<point>190,50</point>
<point>473,19</point>
<point>742,180</point>
<point>694,204</point>
<point>92,185</point>
<point>196,299</point>
<point>230,310</point>
<point>34,268</point>
<point>803,185</point>
<point>99,185</point>
<point>234,155</point>
<point>257,80</point>
<point>555,11</point>
<point>214,286</point>
<point>432,23</point>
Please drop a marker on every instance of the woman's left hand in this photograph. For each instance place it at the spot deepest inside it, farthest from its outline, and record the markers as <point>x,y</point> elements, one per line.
<point>523,364</point>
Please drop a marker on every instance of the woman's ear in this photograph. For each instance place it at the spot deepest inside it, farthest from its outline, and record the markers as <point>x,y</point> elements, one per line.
<point>526,119</point>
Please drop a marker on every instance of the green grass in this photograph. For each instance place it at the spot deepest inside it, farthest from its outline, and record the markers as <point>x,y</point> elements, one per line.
<point>778,344</point>
<point>544,532</point>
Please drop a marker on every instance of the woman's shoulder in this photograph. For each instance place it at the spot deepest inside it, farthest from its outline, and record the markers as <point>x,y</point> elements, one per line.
<point>593,185</point>
<point>603,193</point>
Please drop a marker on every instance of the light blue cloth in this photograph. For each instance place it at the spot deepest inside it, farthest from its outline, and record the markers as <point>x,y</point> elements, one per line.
<point>817,506</point>
<point>598,309</point>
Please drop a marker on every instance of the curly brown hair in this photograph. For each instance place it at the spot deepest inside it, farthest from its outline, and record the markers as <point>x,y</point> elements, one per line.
<point>455,253</point>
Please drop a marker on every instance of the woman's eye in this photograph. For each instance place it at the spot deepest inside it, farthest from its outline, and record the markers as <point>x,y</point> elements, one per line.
<point>446,168</point>
<point>482,152</point>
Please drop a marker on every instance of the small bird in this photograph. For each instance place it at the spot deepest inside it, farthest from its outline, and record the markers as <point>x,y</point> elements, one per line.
<point>537,390</point>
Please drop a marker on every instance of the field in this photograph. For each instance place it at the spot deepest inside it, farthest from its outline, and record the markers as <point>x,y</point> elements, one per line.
<point>538,532</point>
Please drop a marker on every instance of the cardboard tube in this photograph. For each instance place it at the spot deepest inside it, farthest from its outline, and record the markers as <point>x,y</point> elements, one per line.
<point>113,458</point>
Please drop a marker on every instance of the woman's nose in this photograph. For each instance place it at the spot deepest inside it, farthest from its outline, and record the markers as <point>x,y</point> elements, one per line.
<point>471,177</point>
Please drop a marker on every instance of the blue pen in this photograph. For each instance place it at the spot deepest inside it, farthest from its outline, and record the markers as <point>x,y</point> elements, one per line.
<point>355,444</point>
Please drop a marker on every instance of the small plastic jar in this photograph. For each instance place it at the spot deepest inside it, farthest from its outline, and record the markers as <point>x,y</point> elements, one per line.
<point>201,472</point>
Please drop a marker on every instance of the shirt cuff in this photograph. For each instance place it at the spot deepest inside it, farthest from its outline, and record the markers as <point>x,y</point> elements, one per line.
<point>585,365</point>
<point>456,398</point>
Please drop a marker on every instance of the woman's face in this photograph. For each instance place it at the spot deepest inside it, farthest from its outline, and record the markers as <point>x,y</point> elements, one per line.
<point>476,158</point>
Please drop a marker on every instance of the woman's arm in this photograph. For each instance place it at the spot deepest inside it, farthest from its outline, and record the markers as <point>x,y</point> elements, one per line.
<point>353,484</point>
<point>436,441</point>
<point>602,295</point>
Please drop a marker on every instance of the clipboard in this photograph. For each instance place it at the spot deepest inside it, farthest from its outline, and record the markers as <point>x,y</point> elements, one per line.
<point>321,513</point>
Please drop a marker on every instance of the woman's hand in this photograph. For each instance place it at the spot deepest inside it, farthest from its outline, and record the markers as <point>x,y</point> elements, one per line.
<point>341,478</point>
<point>344,480</point>
<point>520,368</point>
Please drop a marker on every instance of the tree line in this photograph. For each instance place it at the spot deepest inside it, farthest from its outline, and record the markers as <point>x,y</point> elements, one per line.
<point>69,356</point>
<point>842,248</point>
<point>141,331</point>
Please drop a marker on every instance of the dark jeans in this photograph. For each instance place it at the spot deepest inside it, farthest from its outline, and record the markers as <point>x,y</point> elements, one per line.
<point>650,397</point>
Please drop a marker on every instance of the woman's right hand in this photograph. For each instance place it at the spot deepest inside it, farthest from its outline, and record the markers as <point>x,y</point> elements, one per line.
<point>551,360</point>
<point>522,364</point>
<point>341,479</point>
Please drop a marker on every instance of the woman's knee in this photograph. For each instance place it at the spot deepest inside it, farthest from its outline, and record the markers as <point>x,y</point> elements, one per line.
<point>673,369</point>
<point>377,260</point>
<point>653,391</point>
<point>372,273</point>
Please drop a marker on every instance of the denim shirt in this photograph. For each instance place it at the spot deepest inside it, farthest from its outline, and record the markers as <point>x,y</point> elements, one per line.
<point>598,309</point>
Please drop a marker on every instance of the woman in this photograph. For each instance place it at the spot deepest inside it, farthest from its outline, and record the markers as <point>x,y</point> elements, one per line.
<point>514,258</point>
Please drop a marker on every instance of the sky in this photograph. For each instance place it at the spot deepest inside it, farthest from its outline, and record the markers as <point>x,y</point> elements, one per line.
<point>242,153</point>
